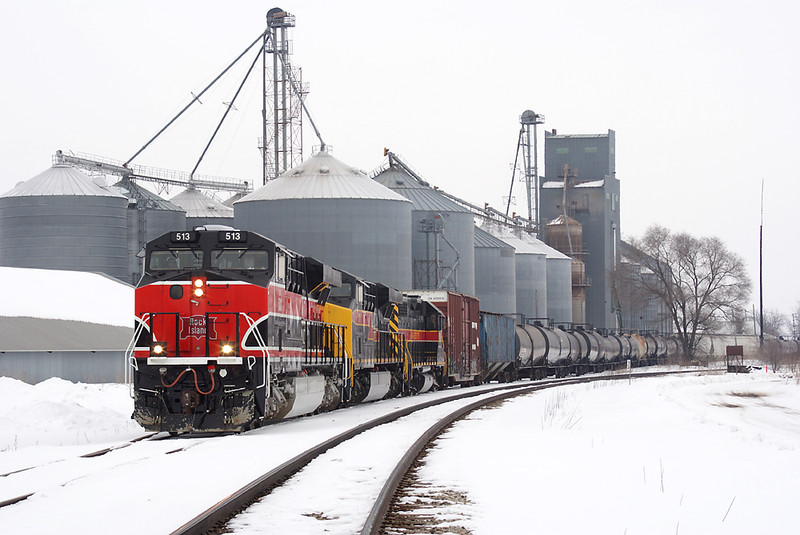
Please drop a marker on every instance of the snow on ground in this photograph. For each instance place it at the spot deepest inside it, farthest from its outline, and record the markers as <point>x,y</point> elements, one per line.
<point>67,295</point>
<point>709,454</point>
<point>712,454</point>
<point>60,413</point>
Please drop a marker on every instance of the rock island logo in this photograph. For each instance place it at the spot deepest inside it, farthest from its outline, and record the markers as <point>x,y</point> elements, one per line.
<point>195,326</point>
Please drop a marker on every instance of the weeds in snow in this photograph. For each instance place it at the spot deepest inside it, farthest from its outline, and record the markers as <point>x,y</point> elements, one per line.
<point>13,446</point>
<point>560,412</point>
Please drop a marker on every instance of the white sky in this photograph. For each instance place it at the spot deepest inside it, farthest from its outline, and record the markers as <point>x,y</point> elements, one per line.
<point>702,96</point>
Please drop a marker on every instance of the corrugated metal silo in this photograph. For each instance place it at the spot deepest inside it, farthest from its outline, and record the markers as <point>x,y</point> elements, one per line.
<point>495,273</point>
<point>329,210</point>
<point>149,216</point>
<point>559,281</point>
<point>442,235</point>
<point>531,274</point>
<point>202,210</point>
<point>63,219</point>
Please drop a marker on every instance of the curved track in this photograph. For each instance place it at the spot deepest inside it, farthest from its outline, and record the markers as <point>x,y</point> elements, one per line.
<point>213,520</point>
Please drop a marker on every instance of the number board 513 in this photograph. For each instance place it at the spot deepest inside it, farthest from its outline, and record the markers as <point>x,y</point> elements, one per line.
<point>232,236</point>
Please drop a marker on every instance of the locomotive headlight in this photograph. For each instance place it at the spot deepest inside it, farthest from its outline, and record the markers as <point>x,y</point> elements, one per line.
<point>199,287</point>
<point>227,348</point>
<point>158,348</point>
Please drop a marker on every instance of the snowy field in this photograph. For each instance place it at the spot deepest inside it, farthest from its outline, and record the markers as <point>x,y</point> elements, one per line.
<point>676,455</point>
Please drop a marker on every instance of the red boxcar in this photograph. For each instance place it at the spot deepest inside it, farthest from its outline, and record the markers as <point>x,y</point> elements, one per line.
<point>462,337</point>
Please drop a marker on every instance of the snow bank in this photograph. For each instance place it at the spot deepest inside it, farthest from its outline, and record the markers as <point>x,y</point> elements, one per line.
<point>60,413</point>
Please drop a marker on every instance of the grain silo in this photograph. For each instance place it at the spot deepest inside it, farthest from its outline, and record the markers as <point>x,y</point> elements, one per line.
<point>495,274</point>
<point>559,280</point>
<point>329,210</point>
<point>566,235</point>
<point>64,219</point>
<point>149,216</point>
<point>442,233</point>
<point>530,273</point>
<point>201,209</point>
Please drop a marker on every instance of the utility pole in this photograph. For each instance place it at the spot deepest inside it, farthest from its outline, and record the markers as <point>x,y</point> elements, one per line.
<point>761,267</point>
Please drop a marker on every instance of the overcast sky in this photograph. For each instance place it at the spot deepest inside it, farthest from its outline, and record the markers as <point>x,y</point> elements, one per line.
<point>703,97</point>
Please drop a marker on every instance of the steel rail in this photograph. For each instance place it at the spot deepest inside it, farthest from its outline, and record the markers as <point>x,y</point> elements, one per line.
<point>98,453</point>
<point>232,504</point>
<point>377,516</point>
<point>216,516</point>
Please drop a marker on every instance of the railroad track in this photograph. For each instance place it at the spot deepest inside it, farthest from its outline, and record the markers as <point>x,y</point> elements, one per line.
<point>147,437</point>
<point>216,518</point>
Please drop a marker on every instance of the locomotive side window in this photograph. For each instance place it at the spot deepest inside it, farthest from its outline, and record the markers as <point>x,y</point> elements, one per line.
<point>176,259</point>
<point>240,259</point>
<point>345,291</point>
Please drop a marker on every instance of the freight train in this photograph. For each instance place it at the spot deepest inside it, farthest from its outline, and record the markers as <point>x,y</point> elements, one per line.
<point>234,330</point>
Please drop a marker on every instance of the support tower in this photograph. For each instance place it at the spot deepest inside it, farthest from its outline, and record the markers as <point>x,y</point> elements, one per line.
<point>282,141</point>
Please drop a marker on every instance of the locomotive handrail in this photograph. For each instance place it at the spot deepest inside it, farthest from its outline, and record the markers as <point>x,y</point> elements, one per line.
<point>130,358</point>
<point>349,373</point>
<point>265,355</point>
<point>177,330</point>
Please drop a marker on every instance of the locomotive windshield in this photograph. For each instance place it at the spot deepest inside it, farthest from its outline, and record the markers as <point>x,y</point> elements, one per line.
<point>173,259</point>
<point>240,259</point>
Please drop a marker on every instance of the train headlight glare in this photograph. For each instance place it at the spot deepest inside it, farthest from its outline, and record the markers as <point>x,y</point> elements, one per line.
<point>158,348</point>
<point>227,349</point>
<point>198,292</point>
<point>198,283</point>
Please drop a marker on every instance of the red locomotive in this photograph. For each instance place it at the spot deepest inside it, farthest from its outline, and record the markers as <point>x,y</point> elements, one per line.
<point>233,329</point>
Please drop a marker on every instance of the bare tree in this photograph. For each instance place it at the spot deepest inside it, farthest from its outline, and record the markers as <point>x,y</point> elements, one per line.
<point>775,323</point>
<point>700,281</point>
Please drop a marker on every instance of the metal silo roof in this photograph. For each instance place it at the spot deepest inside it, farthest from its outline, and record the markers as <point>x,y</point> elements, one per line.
<point>422,196</point>
<point>232,199</point>
<point>542,247</point>
<point>145,197</point>
<point>322,177</point>
<point>484,239</point>
<point>562,219</point>
<point>198,204</point>
<point>60,180</point>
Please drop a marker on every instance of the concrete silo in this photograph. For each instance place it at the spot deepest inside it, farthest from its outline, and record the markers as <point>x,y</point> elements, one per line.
<point>201,209</point>
<point>64,219</point>
<point>495,274</point>
<point>329,210</point>
<point>442,233</point>
<point>149,216</point>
